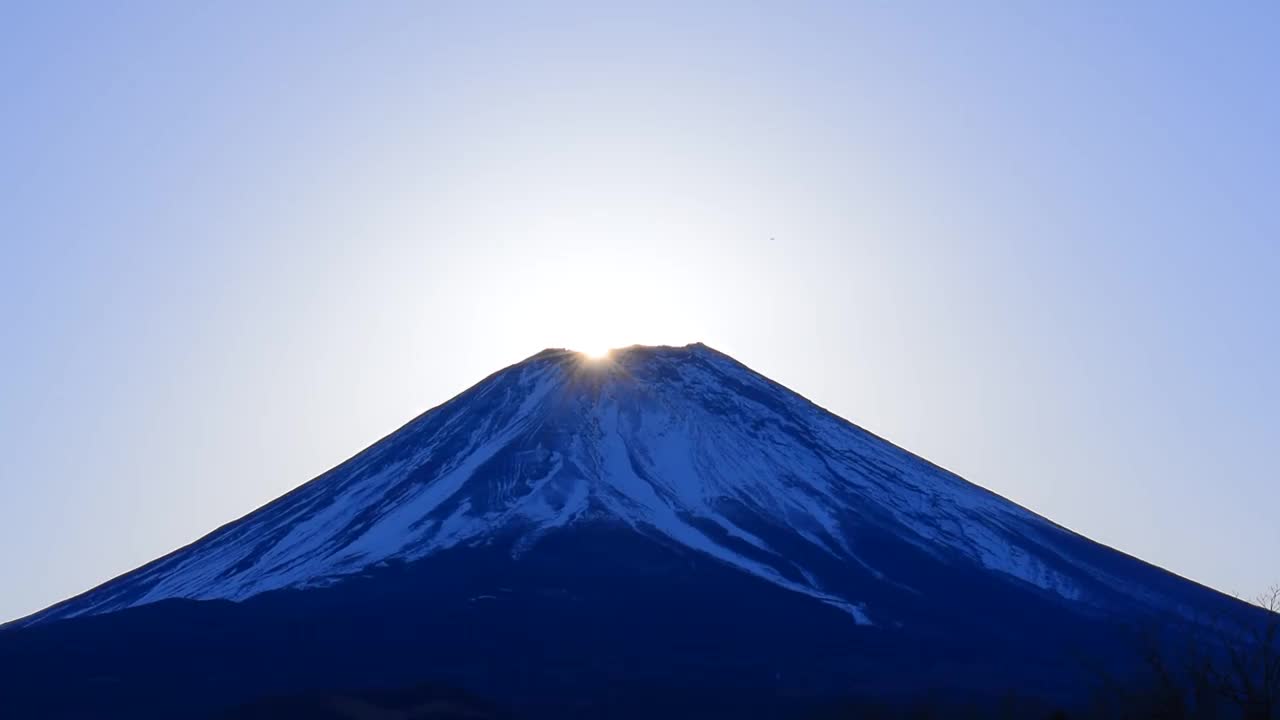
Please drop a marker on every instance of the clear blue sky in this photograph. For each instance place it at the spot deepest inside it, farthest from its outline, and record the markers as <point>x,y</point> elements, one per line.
<point>1038,243</point>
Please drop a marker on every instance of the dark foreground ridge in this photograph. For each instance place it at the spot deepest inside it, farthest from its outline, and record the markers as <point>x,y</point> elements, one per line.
<point>662,532</point>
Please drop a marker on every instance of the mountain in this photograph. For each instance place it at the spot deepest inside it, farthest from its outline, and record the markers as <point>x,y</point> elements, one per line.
<point>663,524</point>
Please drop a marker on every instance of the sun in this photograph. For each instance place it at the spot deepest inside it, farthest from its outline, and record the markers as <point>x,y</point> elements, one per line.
<point>595,351</point>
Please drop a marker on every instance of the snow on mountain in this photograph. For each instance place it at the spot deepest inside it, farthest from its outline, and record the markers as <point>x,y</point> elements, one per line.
<point>681,444</point>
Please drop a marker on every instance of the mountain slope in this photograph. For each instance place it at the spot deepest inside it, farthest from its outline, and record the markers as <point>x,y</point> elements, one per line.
<point>682,442</point>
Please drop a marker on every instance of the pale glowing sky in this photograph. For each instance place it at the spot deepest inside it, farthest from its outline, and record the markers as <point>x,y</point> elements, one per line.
<point>1038,244</point>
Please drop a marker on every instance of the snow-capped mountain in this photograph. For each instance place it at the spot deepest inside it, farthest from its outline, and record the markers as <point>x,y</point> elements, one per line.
<point>663,523</point>
<point>685,443</point>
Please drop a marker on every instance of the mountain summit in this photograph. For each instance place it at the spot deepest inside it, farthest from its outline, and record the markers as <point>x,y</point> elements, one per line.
<point>661,497</point>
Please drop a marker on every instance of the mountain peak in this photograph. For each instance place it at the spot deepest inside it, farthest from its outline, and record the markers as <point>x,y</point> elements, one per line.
<point>630,367</point>
<point>636,350</point>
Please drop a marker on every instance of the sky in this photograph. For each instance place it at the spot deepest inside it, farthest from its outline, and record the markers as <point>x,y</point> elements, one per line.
<point>1036,243</point>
